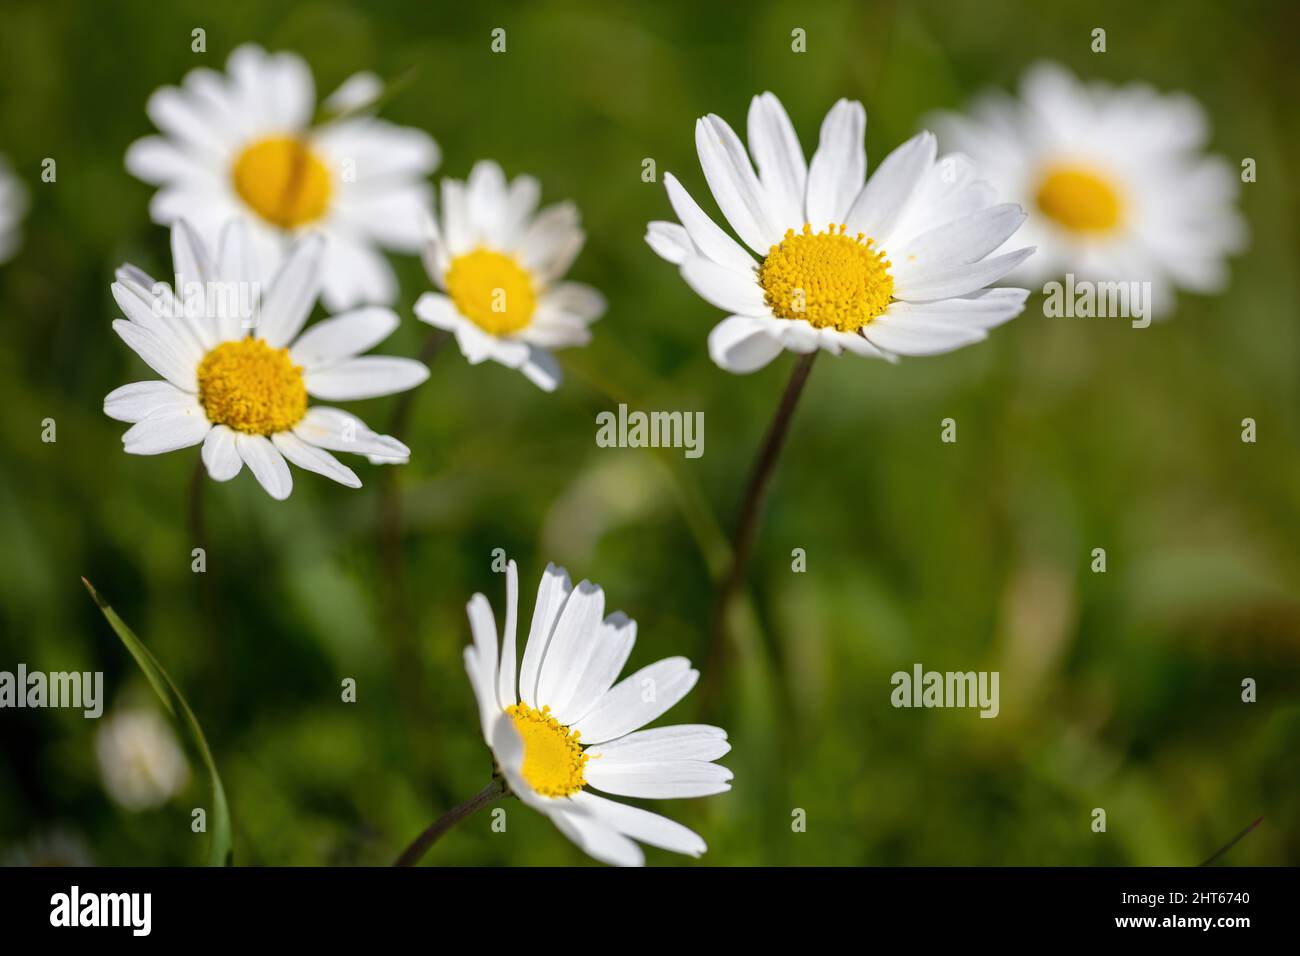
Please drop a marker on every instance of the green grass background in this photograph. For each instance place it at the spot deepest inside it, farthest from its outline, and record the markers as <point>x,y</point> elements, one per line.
<point>1119,690</point>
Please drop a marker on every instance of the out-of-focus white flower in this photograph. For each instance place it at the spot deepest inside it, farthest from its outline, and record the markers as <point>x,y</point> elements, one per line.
<point>499,262</point>
<point>1115,178</point>
<point>242,144</point>
<point>13,205</point>
<point>141,763</point>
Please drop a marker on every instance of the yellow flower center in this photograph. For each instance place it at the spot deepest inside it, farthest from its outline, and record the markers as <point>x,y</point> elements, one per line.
<point>252,387</point>
<point>283,181</point>
<point>827,278</point>
<point>553,758</point>
<point>493,290</point>
<point>1080,199</point>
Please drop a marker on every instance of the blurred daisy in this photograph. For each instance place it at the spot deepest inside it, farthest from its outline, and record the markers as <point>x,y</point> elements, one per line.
<point>498,263</point>
<point>238,373</point>
<point>1116,176</point>
<point>558,724</point>
<point>895,266</point>
<point>13,204</point>
<point>242,144</point>
<point>141,762</point>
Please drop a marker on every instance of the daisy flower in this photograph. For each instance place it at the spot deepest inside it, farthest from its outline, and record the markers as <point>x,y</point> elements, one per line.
<point>1117,178</point>
<point>13,204</point>
<point>498,263</point>
<point>237,373</point>
<point>559,727</point>
<point>895,266</point>
<point>141,763</point>
<point>242,144</point>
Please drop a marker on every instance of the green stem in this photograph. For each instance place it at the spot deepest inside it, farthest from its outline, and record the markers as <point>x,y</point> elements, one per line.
<point>415,852</point>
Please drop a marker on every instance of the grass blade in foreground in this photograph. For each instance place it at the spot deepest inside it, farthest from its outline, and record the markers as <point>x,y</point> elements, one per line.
<point>219,853</point>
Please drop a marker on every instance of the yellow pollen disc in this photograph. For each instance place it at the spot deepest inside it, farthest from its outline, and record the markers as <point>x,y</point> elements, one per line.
<point>1080,199</point>
<point>252,387</point>
<point>283,181</point>
<point>493,290</point>
<point>553,758</point>
<point>833,280</point>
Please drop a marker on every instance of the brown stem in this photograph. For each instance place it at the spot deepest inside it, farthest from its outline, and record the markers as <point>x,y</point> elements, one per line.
<point>751,509</point>
<point>413,853</point>
<point>1231,843</point>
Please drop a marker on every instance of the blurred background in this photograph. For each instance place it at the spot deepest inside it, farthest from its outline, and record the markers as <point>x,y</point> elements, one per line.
<point>1119,690</point>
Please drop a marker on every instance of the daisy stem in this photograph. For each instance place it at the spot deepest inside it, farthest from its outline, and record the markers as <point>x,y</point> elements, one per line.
<point>751,509</point>
<point>415,852</point>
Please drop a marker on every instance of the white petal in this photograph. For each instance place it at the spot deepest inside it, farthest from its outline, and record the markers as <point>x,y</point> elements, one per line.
<point>343,336</point>
<point>571,646</point>
<point>742,344</point>
<point>725,288</point>
<point>355,273</point>
<point>551,243</point>
<point>677,742</point>
<point>948,281</point>
<point>133,403</point>
<point>266,464</point>
<point>483,626</point>
<point>704,232</point>
<point>552,592</point>
<point>288,302</point>
<point>641,825</point>
<point>905,336</point>
<point>670,241</point>
<point>958,242</point>
<point>839,165</point>
<point>659,780</point>
<point>779,158</point>
<point>165,430</point>
<point>636,700</point>
<point>314,458</point>
<point>733,183</point>
<point>507,693</point>
<point>488,711</point>
<point>337,430</point>
<point>541,369</point>
<point>886,196</point>
<point>598,840</point>
<point>220,455</point>
<point>984,309</point>
<point>163,357</point>
<point>611,648</point>
<point>368,376</point>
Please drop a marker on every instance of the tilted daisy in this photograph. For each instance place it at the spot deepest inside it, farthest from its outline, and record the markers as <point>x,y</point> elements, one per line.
<point>499,263</point>
<point>237,372</point>
<point>13,204</point>
<point>242,143</point>
<point>897,265</point>
<point>560,728</point>
<point>1116,176</point>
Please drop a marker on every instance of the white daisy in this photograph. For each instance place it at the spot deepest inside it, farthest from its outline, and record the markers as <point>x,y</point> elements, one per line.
<point>139,759</point>
<point>237,372</point>
<point>13,204</point>
<point>563,725</point>
<point>897,266</point>
<point>499,263</point>
<point>242,144</point>
<point>1116,177</point>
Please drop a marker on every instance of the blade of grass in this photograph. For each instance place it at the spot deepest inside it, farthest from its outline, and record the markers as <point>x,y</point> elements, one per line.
<point>219,852</point>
